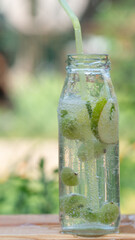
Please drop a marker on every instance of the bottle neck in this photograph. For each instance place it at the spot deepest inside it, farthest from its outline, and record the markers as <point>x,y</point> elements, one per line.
<point>94,62</point>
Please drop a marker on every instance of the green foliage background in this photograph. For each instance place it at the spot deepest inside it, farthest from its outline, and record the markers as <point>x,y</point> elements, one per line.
<point>24,195</point>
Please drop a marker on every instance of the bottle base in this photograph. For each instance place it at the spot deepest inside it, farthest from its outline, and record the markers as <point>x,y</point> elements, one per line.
<point>90,230</point>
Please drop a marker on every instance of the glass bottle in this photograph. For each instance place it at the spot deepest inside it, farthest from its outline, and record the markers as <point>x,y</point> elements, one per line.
<point>88,148</point>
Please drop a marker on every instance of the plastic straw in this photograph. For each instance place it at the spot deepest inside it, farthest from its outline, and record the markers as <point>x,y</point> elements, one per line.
<point>76,25</point>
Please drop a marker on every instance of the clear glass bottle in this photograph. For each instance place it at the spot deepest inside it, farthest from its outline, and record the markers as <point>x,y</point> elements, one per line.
<point>88,148</point>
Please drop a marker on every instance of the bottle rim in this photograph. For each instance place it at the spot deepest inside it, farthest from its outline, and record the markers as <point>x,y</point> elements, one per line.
<point>88,61</point>
<point>89,56</point>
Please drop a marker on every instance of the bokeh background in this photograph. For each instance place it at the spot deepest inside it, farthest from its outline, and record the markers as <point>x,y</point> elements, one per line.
<point>35,37</point>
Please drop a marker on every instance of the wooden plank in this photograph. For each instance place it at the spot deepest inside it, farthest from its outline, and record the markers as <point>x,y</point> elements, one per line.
<point>15,220</point>
<point>47,227</point>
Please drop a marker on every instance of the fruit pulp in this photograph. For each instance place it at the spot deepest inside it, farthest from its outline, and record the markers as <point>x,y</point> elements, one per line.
<point>97,167</point>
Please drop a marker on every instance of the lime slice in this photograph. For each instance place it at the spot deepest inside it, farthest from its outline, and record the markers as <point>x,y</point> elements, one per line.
<point>108,123</point>
<point>89,215</point>
<point>74,204</point>
<point>75,124</point>
<point>69,177</point>
<point>99,148</point>
<point>69,128</point>
<point>83,152</point>
<point>96,115</point>
<point>109,213</point>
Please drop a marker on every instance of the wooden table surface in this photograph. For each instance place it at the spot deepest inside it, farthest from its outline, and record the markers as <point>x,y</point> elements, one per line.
<point>47,227</point>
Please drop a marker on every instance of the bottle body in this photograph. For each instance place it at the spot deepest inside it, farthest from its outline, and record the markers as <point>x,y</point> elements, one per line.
<point>88,151</point>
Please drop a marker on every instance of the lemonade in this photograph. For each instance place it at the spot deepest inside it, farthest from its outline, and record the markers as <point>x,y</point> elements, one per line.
<point>88,149</point>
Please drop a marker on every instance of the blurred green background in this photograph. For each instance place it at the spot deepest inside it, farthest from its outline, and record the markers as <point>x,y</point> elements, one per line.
<point>31,78</point>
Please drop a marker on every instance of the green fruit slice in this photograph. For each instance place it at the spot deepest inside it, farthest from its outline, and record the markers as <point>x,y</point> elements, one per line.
<point>89,215</point>
<point>69,177</point>
<point>83,152</point>
<point>75,125</point>
<point>108,123</point>
<point>99,148</point>
<point>62,204</point>
<point>96,115</point>
<point>109,213</point>
<point>69,128</point>
<point>73,204</point>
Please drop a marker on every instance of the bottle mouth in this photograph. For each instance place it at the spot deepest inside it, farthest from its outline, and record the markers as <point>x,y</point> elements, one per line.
<point>90,61</point>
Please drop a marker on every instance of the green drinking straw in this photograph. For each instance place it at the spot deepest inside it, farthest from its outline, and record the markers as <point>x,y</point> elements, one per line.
<point>78,40</point>
<point>76,25</point>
